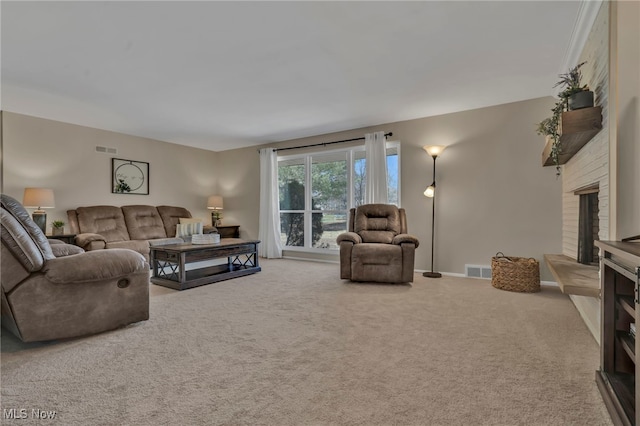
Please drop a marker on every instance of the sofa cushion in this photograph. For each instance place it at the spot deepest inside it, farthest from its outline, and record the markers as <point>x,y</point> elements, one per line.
<point>16,239</point>
<point>141,246</point>
<point>376,262</point>
<point>107,221</point>
<point>15,209</point>
<point>171,217</point>
<point>377,223</point>
<point>143,222</point>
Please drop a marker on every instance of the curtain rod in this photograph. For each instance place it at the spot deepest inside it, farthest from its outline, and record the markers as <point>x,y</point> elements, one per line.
<point>327,143</point>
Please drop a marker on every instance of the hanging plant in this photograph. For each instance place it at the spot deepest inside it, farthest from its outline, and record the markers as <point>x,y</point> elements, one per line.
<point>550,127</point>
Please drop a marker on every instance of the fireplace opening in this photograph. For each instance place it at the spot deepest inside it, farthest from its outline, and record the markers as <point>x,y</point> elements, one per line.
<point>588,226</point>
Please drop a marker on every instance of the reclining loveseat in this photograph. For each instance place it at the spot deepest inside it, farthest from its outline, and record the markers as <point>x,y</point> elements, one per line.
<point>134,227</point>
<point>54,291</point>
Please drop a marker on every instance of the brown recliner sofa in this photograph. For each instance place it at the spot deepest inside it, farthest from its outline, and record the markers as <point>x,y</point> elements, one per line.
<point>134,227</point>
<point>55,291</point>
<point>377,247</point>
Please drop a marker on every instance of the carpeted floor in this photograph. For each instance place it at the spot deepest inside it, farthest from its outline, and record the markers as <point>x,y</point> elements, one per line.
<point>295,345</point>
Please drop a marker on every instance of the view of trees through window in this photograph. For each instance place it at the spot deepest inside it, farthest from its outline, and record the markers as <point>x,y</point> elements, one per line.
<point>317,190</point>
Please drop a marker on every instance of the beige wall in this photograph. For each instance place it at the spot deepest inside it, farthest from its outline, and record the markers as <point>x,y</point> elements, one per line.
<point>44,153</point>
<point>627,70</point>
<point>493,193</point>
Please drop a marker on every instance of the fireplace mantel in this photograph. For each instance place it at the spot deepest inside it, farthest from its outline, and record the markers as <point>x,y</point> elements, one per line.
<point>576,129</point>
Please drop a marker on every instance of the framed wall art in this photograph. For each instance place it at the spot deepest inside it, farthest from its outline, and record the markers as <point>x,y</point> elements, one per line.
<point>129,177</point>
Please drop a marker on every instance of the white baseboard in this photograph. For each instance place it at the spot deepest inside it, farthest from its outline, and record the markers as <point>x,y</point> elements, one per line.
<point>311,259</point>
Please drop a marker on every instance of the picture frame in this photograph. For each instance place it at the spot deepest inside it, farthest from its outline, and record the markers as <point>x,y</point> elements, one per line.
<point>129,177</point>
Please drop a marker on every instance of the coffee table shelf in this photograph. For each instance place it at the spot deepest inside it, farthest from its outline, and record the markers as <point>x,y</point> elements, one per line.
<point>169,262</point>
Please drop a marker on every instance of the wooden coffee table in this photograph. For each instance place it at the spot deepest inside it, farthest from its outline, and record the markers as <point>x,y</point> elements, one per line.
<point>169,262</point>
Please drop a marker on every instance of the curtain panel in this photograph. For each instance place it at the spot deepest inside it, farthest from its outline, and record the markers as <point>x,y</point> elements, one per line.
<point>375,145</point>
<point>269,223</point>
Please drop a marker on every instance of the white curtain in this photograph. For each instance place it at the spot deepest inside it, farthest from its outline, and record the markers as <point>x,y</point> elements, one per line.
<point>376,155</point>
<point>269,224</point>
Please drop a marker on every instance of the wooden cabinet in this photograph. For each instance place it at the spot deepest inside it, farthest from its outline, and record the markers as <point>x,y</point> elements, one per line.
<point>576,129</point>
<point>620,287</point>
<point>229,231</point>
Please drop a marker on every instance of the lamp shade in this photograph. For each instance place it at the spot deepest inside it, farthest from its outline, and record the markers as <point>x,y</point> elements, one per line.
<point>430,191</point>
<point>215,202</point>
<point>39,198</point>
<point>434,150</point>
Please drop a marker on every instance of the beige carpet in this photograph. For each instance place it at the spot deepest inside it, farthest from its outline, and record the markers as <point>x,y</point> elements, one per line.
<point>294,345</point>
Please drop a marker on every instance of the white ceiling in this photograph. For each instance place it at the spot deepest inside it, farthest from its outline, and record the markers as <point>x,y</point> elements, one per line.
<point>224,75</point>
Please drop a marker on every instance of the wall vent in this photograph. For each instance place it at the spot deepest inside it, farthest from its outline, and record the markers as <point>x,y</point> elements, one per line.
<point>106,150</point>
<point>478,271</point>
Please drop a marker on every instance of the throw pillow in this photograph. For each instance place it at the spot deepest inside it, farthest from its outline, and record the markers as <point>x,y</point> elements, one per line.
<point>188,229</point>
<point>191,220</point>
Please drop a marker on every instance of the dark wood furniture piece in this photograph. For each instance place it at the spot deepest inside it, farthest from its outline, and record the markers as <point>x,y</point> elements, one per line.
<point>229,231</point>
<point>169,262</point>
<point>66,238</point>
<point>620,287</point>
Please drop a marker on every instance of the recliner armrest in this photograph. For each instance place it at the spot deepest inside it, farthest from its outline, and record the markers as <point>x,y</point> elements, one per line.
<point>405,238</point>
<point>62,249</point>
<point>351,237</point>
<point>95,266</point>
<point>85,240</point>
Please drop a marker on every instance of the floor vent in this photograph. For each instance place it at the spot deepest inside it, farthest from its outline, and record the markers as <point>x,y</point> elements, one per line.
<point>478,271</point>
<point>106,150</point>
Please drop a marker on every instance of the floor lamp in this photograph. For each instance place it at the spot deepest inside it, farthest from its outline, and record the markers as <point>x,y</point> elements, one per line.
<point>433,151</point>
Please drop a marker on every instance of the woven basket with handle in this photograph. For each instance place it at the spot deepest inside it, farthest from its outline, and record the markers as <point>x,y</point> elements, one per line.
<point>515,273</point>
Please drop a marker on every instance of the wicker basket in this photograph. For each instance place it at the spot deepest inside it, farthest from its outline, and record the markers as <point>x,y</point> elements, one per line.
<point>515,273</point>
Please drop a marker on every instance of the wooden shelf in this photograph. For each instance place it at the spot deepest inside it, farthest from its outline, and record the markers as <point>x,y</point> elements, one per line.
<point>576,129</point>
<point>628,344</point>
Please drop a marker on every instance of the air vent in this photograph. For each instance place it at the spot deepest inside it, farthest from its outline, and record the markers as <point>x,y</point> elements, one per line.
<point>106,150</point>
<point>478,271</point>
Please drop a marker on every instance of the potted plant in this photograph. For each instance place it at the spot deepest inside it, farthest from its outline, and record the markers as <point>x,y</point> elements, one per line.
<point>57,227</point>
<point>575,94</point>
<point>216,215</point>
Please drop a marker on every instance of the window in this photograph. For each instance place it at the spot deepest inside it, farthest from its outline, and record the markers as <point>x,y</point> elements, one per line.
<point>317,190</point>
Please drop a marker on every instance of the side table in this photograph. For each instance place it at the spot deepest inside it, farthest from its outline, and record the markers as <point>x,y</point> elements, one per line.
<point>66,238</point>
<point>229,231</point>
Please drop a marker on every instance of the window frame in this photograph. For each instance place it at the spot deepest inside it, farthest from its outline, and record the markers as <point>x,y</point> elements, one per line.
<point>308,212</point>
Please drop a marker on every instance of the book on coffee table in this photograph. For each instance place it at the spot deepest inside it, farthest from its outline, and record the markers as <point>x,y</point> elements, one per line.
<point>205,238</point>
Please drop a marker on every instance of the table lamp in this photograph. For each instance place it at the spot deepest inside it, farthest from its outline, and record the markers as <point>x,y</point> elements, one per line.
<point>39,198</point>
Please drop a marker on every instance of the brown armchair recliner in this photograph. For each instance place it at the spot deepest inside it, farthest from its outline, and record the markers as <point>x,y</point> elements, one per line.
<point>377,247</point>
<point>56,291</point>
